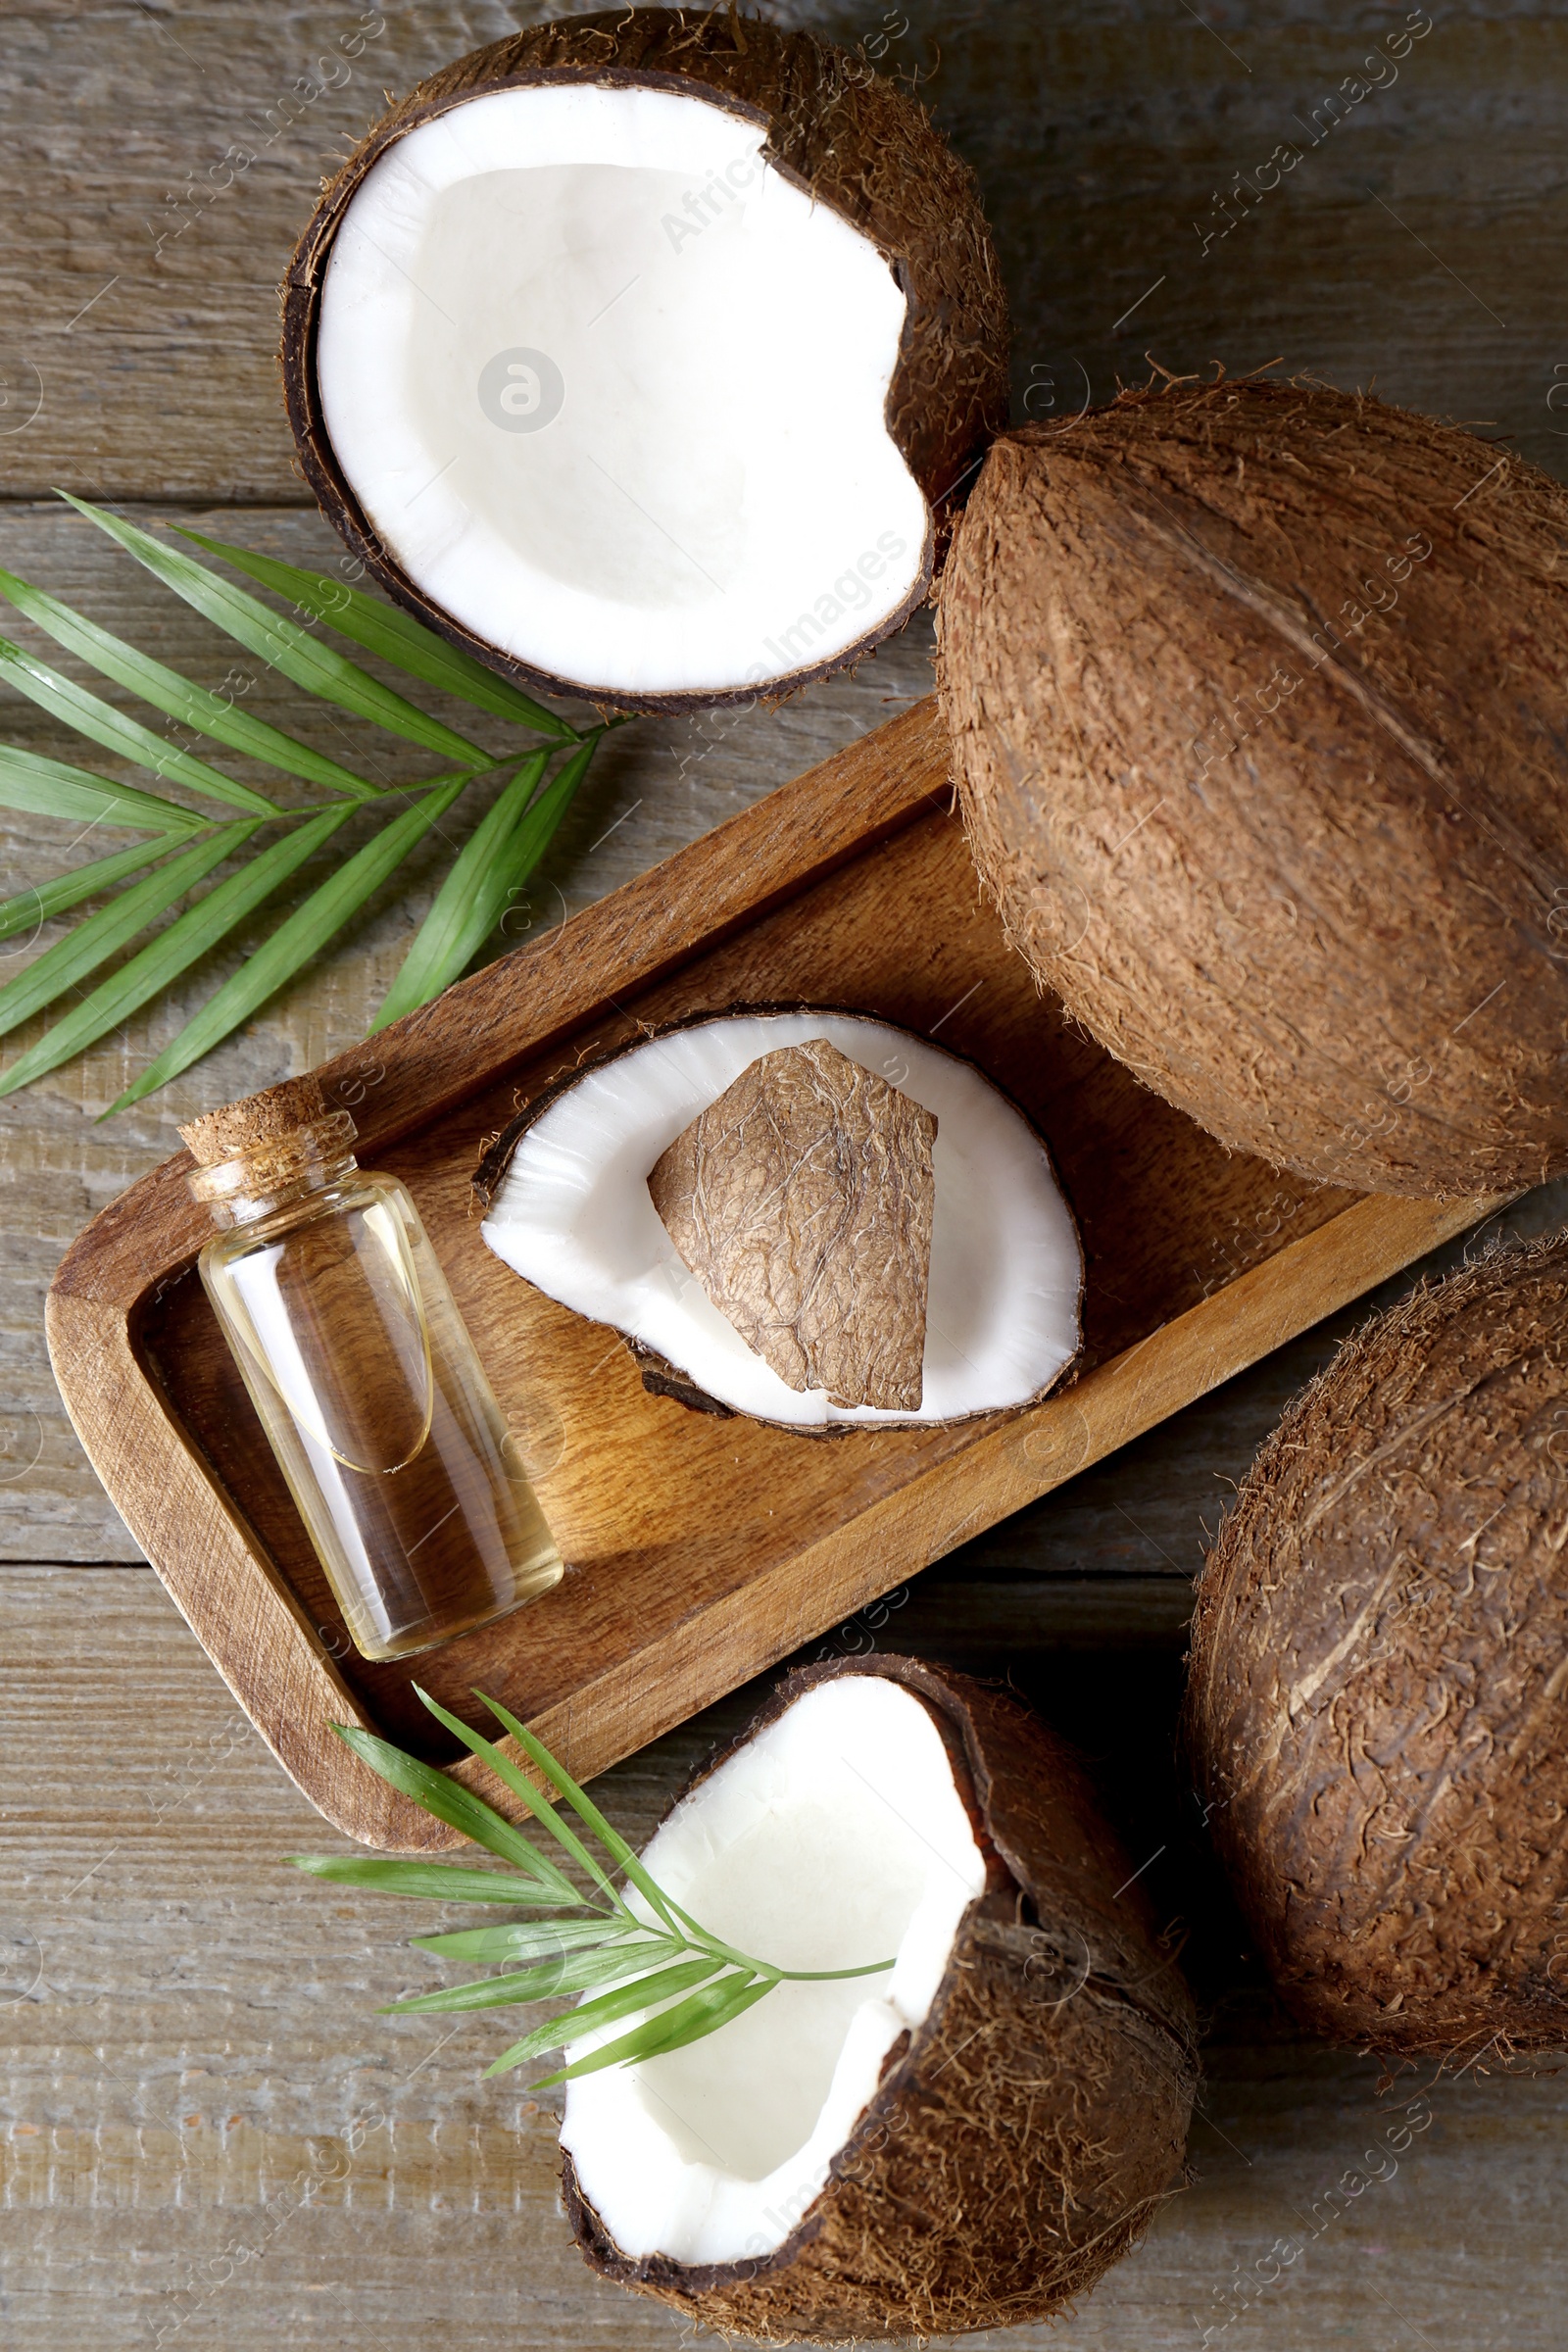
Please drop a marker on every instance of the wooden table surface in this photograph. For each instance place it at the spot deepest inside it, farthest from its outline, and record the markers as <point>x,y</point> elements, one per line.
<point>187,2026</point>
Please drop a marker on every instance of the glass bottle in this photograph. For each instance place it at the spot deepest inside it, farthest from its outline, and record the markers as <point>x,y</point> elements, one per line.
<point>337,1313</point>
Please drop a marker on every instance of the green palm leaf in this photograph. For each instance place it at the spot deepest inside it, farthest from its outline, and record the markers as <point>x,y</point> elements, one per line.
<point>283,643</point>
<point>173,950</point>
<point>569,1972</point>
<point>506,847</point>
<point>49,787</point>
<point>296,939</point>
<point>125,737</point>
<point>193,705</point>
<point>396,636</point>
<point>32,909</point>
<point>503,851</point>
<point>448,1801</point>
<point>450,935</point>
<point>433,1881</point>
<point>691,2020</point>
<point>524,1790</point>
<point>588,2016</point>
<point>105,933</point>
<point>616,1949</point>
<point>526,1939</point>
<point>581,1803</point>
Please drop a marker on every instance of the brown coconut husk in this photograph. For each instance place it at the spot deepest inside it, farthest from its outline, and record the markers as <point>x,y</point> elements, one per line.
<point>854,140</point>
<point>1022,2139</point>
<point>1376,1706</point>
<point>660,1377</point>
<point>1329,919</point>
<point>802,1200</point>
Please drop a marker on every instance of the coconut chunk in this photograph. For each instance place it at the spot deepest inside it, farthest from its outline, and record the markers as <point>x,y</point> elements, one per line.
<point>802,1200</point>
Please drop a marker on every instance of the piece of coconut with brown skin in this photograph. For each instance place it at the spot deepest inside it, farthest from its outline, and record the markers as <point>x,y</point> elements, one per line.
<point>565,1191</point>
<point>632,510</point>
<point>1021,2133</point>
<point>1259,697</point>
<point>1377,1711</point>
<point>802,1200</point>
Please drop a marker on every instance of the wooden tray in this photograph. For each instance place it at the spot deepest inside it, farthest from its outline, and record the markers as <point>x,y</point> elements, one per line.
<point>701,1548</point>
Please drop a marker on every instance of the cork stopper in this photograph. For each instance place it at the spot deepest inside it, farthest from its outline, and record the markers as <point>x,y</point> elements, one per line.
<point>257,1122</point>
<point>253,1155</point>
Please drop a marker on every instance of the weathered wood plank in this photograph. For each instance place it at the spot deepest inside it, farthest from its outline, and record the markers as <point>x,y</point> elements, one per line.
<point>189,2040</point>
<point>184,1962</point>
<point>146,250</point>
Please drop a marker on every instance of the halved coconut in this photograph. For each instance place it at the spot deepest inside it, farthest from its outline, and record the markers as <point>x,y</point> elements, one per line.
<point>644,355</point>
<point>566,1190</point>
<point>965,2141</point>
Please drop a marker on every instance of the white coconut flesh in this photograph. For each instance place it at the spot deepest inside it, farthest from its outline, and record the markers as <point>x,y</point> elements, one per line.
<point>610,389</point>
<point>573,1215</point>
<point>836,1835</point>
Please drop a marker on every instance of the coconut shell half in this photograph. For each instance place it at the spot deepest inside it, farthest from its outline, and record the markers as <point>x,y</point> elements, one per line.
<point>1021,2138</point>
<point>1378,1705</point>
<point>566,1191</point>
<point>623,467</point>
<point>1258,696</point>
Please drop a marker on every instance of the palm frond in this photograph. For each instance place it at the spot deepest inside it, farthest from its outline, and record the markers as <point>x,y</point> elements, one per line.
<point>679,1982</point>
<point>105,933</point>
<point>502,849</point>
<point>397,637</point>
<point>303,935</point>
<point>125,737</point>
<point>171,952</point>
<point>213,714</point>
<point>701,2013</point>
<point>282,644</point>
<point>433,1882</point>
<point>567,1972</point>
<point>41,787</point>
<point>468,906</point>
<point>36,906</point>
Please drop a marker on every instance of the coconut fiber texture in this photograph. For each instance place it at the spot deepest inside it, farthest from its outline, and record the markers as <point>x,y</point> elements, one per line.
<point>1258,695</point>
<point>802,1202</point>
<point>836,128</point>
<point>1376,1709</point>
<point>1020,2138</point>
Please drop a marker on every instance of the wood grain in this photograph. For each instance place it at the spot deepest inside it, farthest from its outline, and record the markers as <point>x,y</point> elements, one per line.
<point>1418,243</point>
<point>698,1550</point>
<point>209,2130</point>
<point>204,2035</point>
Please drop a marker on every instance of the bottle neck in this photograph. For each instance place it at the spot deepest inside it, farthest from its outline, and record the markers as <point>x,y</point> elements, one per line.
<point>285,1169</point>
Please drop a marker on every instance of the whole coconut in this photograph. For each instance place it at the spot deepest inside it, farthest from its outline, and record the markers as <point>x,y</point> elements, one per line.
<point>1377,1711</point>
<point>1259,694</point>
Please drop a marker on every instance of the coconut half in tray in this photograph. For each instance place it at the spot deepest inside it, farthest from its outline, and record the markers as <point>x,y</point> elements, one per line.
<point>645,354</point>
<point>967,2140</point>
<point>812,1217</point>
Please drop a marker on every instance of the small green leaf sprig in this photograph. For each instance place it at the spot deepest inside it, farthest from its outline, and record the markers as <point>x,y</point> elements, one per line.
<point>630,1962</point>
<point>188,844</point>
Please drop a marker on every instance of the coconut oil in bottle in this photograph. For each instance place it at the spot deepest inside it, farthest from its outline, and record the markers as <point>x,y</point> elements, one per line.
<point>337,1313</point>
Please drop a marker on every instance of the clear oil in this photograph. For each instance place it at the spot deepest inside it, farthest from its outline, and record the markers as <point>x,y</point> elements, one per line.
<point>376,1407</point>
